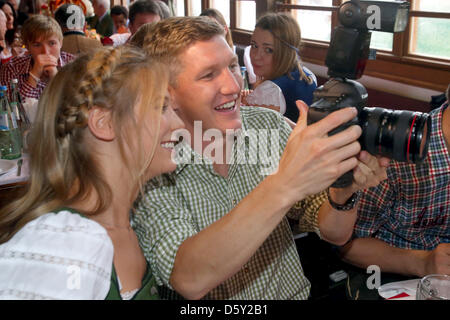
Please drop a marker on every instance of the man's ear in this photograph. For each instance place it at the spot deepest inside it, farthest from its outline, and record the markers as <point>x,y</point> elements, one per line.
<point>100,124</point>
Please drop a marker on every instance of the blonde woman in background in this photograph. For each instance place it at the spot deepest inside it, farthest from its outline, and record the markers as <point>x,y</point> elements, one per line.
<point>103,128</point>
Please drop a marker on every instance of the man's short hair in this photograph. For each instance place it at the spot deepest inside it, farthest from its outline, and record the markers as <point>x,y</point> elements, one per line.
<point>70,16</point>
<point>169,38</point>
<point>40,26</point>
<point>144,6</point>
<point>119,10</point>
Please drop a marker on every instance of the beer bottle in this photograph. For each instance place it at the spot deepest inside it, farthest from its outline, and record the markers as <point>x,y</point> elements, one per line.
<point>244,76</point>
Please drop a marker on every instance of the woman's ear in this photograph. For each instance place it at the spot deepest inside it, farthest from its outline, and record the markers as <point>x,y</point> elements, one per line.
<point>100,124</point>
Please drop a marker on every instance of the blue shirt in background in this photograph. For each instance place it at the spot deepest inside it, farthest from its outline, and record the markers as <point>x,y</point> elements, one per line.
<point>296,89</point>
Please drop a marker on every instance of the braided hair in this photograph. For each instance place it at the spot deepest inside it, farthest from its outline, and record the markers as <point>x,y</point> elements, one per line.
<point>64,170</point>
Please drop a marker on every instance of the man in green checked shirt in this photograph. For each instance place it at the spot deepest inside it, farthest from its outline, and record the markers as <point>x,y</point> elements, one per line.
<point>216,227</point>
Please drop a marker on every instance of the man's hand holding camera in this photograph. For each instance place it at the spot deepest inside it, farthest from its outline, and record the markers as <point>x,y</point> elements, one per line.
<point>369,172</point>
<point>313,160</point>
<point>317,160</point>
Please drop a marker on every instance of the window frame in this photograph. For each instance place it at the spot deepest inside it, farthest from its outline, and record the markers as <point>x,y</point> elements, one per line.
<point>398,65</point>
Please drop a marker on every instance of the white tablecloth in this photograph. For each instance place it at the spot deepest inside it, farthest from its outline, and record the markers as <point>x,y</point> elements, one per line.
<point>11,176</point>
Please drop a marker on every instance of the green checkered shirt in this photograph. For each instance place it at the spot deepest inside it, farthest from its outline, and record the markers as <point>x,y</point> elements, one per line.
<point>177,206</point>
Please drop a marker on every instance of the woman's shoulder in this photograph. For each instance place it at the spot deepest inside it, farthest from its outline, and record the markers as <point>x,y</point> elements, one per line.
<point>59,255</point>
<point>64,222</point>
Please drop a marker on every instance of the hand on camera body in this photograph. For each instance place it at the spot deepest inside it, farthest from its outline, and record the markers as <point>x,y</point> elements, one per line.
<point>370,171</point>
<point>312,160</point>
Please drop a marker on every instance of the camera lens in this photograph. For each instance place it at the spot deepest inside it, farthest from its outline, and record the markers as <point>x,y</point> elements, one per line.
<point>397,134</point>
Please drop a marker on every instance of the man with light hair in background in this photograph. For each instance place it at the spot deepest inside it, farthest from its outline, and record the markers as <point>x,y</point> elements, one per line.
<point>102,21</point>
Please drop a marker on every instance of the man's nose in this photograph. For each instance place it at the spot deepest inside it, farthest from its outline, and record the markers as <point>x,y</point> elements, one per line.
<point>257,53</point>
<point>230,83</point>
<point>45,49</point>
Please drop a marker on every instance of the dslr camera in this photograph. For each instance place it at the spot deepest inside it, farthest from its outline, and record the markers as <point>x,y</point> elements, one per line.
<point>397,134</point>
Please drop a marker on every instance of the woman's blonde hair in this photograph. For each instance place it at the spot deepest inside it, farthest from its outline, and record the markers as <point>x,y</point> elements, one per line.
<point>64,169</point>
<point>215,14</point>
<point>287,42</point>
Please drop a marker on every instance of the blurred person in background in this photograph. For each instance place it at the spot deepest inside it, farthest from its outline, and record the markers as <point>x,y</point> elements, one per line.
<point>140,13</point>
<point>42,36</point>
<point>21,15</point>
<point>102,21</point>
<point>5,55</point>
<point>119,14</point>
<point>218,16</point>
<point>12,43</point>
<point>75,40</point>
<point>165,10</point>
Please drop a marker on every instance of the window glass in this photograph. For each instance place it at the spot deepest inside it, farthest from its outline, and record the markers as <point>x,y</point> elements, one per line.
<point>246,15</point>
<point>179,7</point>
<point>195,7</point>
<point>314,25</point>
<point>223,7</point>
<point>432,5</point>
<point>382,40</point>
<point>325,3</point>
<point>429,37</point>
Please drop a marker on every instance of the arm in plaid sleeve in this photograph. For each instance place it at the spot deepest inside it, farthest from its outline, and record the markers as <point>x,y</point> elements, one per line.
<point>17,68</point>
<point>403,223</point>
<point>162,224</point>
<point>374,245</point>
<point>307,212</point>
<point>28,91</point>
<point>373,206</point>
<point>7,73</point>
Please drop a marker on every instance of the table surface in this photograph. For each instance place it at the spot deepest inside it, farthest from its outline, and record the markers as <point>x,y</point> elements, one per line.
<point>10,179</point>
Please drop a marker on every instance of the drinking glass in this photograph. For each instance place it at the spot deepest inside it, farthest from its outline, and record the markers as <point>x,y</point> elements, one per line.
<point>434,287</point>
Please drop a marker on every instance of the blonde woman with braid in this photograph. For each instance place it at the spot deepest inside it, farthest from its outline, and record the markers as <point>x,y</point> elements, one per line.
<point>103,128</point>
<point>274,54</point>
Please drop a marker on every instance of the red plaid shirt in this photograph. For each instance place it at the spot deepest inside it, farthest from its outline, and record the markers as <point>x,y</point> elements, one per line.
<point>411,209</point>
<point>19,67</point>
